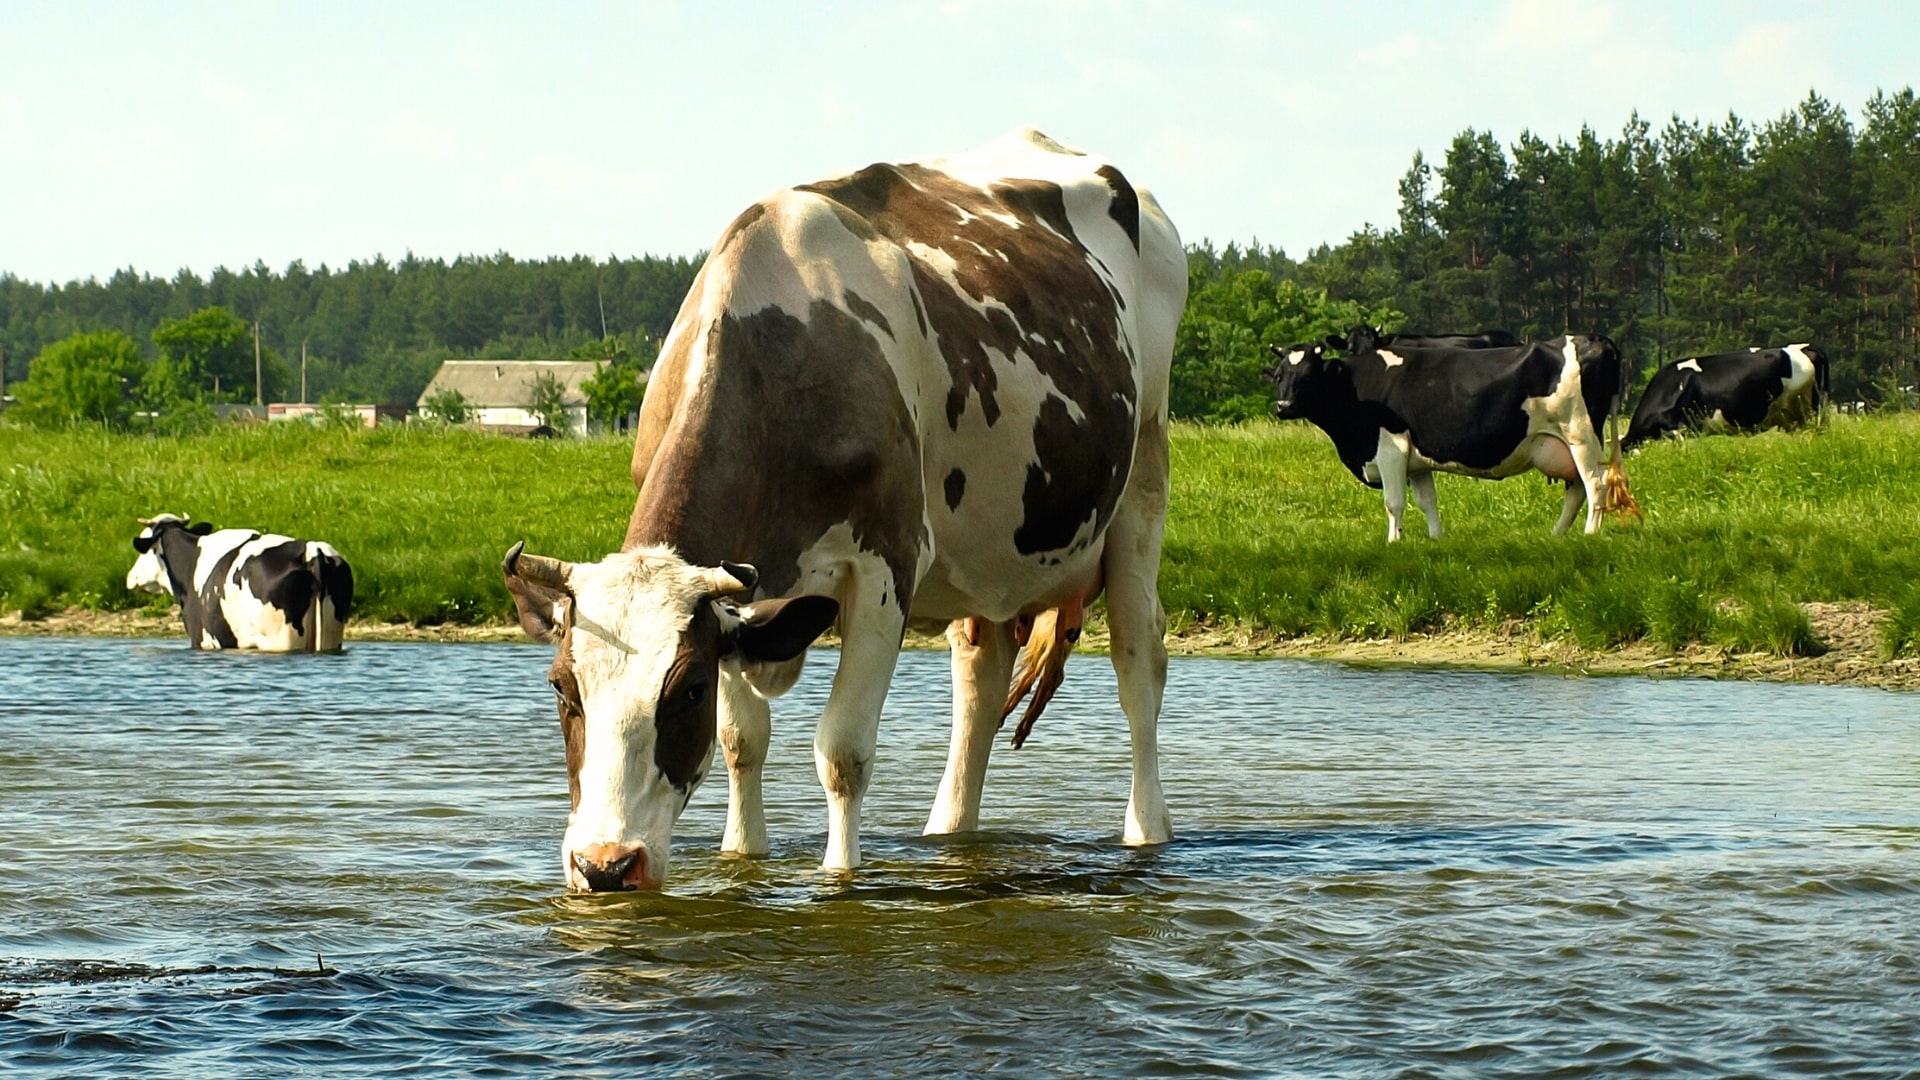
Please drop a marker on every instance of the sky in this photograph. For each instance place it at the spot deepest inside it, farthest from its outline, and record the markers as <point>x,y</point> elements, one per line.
<point>163,136</point>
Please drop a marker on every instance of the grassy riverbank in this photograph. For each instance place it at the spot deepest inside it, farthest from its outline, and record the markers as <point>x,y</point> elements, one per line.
<point>1268,537</point>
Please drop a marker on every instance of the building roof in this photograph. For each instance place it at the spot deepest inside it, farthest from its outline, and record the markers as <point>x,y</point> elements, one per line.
<point>490,384</point>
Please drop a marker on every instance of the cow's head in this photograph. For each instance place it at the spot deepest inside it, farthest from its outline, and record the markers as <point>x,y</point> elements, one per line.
<point>1363,338</point>
<point>1300,377</point>
<point>642,637</point>
<point>149,573</point>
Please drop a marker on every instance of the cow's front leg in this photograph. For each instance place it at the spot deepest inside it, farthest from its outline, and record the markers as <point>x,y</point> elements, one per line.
<point>746,726</point>
<point>981,671</point>
<point>873,618</point>
<point>1391,461</point>
<point>1423,494</point>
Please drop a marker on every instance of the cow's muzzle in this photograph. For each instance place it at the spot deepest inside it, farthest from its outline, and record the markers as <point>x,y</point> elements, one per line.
<point>611,868</point>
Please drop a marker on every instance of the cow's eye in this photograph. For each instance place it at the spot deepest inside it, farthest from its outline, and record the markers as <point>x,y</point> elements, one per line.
<point>557,691</point>
<point>692,694</point>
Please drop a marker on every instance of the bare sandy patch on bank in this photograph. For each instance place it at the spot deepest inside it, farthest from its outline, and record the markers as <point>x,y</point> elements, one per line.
<point>1850,632</point>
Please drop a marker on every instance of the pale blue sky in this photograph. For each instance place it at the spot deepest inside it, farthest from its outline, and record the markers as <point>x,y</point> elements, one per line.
<point>166,135</point>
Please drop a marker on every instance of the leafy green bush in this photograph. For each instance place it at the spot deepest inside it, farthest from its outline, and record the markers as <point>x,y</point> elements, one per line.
<point>1604,613</point>
<point>1766,621</point>
<point>1678,613</point>
<point>1900,634</point>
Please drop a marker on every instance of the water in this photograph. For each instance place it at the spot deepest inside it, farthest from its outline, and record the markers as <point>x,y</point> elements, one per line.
<point>1377,873</point>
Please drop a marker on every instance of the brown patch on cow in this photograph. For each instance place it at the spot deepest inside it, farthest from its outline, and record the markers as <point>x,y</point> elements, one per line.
<point>1043,300</point>
<point>956,486</point>
<point>844,774</point>
<point>573,715</point>
<point>795,427</point>
<point>866,312</point>
<point>685,718</point>
<point>740,225</point>
<point>1126,202</point>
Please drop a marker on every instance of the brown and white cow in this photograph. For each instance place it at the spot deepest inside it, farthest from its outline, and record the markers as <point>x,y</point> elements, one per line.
<point>932,392</point>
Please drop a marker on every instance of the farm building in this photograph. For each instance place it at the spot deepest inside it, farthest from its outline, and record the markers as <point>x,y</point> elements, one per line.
<point>499,394</point>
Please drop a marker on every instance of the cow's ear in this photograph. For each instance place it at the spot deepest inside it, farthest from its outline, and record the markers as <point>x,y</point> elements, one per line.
<point>1335,341</point>
<point>143,543</point>
<point>200,528</point>
<point>776,630</point>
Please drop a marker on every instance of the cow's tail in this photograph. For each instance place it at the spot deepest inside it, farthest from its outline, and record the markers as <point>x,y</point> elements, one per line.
<point>1616,497</point>
<point>317,570</point>
<point>331,578</point>
<point>1822,393</point>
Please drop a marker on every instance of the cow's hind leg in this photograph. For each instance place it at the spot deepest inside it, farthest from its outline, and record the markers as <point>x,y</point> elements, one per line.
<point>1392,463</point>
<point>1131,563</point>
<point>1423,494</point>
<point>981,671</point>
<point>1576,496</point>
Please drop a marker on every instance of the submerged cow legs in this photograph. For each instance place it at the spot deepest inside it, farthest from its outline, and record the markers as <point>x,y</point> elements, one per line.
<point>745,724</point>
<point>981,672</point>
<point>1131,564</point>
<point>843,744</point>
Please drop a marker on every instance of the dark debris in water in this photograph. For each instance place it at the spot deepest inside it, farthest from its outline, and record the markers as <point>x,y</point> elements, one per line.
<point>89,972</point>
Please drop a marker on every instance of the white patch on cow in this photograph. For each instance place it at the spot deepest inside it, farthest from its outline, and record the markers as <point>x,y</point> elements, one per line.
<point>629,611</point>
<point>149,574</point>
<point>214,547</point>
<point>1688,365</point>
<point>1296,356</point>
<point>1391,359</point>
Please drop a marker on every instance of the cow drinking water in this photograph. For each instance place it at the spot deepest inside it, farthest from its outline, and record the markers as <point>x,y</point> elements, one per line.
<point>930,392</point>
<point>240,589</point>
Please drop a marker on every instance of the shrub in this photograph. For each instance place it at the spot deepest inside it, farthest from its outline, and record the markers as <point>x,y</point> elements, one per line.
<point>1900,634</point>
<point>1678,613</point>
<point>1604,613</point>
<point>1767,622</point>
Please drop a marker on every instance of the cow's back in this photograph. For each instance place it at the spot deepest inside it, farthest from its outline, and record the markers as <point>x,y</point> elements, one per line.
<point>948,359</point>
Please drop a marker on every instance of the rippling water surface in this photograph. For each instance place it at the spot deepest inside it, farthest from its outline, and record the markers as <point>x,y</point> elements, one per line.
<point>218,864</point>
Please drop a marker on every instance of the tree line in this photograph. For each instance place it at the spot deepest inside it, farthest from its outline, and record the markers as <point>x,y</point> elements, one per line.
<point>1695,238</point>
<point>375,331</point>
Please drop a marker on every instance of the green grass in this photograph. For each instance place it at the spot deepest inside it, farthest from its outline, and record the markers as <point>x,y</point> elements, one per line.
<point>1266,529</point>
<point>423,515</point>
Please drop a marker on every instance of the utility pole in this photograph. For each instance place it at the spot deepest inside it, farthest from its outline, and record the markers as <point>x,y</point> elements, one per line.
<point>256,363</point>
<point>602,301</point>
<point>303,372</point>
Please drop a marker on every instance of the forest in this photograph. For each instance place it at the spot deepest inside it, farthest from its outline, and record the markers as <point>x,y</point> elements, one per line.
<point>1692,238</point>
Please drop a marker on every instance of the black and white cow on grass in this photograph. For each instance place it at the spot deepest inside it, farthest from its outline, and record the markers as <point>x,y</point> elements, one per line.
<point>1747,390</point>
<point>1399,414</point>
<point>240,589</point>
<point>929,393</point>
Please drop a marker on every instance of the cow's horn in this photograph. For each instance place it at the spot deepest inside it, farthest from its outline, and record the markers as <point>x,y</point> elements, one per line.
<point>731,577</point>
<point>538,569</point>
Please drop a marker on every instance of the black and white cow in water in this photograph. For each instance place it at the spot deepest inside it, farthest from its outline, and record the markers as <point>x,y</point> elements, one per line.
<point>1397,415</point>
<point>240,589</point>
<point>929,393</point>
<point>1741,391</point>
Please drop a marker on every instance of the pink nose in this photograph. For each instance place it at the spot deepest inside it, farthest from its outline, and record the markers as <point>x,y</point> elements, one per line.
<point>613,868</point>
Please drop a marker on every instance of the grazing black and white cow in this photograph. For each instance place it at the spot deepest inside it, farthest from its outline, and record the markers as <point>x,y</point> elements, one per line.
<point>1747,390</point>
<point>1398,415</point>
<point>1365,338</point>
<point>240,589</point>
<point>932,392</point>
